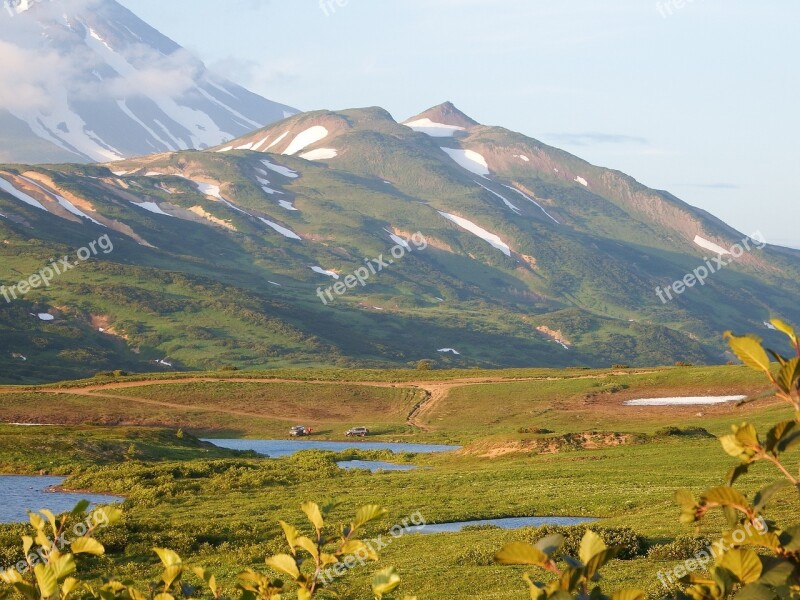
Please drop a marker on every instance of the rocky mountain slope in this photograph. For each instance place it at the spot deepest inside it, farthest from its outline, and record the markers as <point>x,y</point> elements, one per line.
<point>90,81</point>
<point>347,238</point>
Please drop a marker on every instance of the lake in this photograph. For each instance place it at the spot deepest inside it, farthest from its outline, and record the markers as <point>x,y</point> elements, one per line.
<point>374,465</point>
<point>278,448</point>
<point>21,493</point>
<point>509,523</point>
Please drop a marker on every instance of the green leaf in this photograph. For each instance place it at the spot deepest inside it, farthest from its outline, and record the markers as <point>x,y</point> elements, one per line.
<point>778,433</point>
<point>550,544</point>
<point>628,594</point>
<point>750,352</point>
<point>756,591</point>
<point>309,546</point>
<point>591,545</point>
<point>743,563</point>
<point>358,548</point>
<point>784,328</point>
<point>86,545</point>
<point>368,513</point>
<point>776,571</point>
<point>724,496</point>
<point>80,508</point>
<point>789,374</point>
<point>314,515</point>
<point>763,497</point>
<point>599,560</point>
<point>70,585</point>
<point>385,582</point>
<point>63,566</point>
<point>790,539</point>
<point>521,553</point>
<point>291,533</point>
<point>46,580</point>
<point>285,564</point>
<point>51,518</point>
<point>168,557</point>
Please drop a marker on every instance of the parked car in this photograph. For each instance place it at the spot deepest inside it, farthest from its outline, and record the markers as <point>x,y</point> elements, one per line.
<point>299,431</point>
<point>358,432</point>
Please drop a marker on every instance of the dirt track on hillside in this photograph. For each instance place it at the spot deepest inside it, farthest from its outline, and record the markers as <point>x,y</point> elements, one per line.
<point>436,391</point>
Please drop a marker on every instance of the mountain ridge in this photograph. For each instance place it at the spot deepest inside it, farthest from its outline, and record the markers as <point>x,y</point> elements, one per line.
<point>104,85</point>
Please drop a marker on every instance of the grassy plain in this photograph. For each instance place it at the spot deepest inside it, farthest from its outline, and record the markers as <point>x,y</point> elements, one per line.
<point>221,508</point>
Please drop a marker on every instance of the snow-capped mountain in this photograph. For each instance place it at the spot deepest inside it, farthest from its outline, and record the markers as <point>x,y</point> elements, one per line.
<point>87,80</point>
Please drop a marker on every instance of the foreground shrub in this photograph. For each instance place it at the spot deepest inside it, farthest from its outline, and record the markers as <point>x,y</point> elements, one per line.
<point>684,547</point>
<point>312,564</point>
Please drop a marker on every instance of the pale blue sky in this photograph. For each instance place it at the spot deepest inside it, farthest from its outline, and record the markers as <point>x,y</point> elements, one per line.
<point>702,102</point>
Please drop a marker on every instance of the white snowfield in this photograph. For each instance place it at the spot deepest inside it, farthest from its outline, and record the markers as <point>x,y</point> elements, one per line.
<point>202,129</point>
<point>513,189</point>
<point>320,154</point>
<point>486,236</point>
<point>322,271</point>
<point>287,205</point>
<point>708,245</point>
<point>508,203</point>
<point>285,171</point>
<point>312,135</point>
<point>450,350</point>
<point>522,157</point>
<point>45,317</point>
<point>66,204</point>
<point>582,181</point>
<point>397,239</point>
<point>288,233</point>
<point>152,207</point>
<point>6,186</point>
<point>469,160</point>
<point>434,129</point>
<point>278,140</point>
<point>686,401</point>
<point>264,183</point>
<point>213,190</point>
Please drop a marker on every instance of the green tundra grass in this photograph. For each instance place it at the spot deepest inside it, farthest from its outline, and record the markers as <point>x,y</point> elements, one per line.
<point>220,508</point>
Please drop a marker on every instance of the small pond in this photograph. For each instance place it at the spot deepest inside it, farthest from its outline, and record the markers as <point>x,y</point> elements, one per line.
<point>509,523</point>
<point>278,448</point>
<point>374,465</point>
<point>21,493</point>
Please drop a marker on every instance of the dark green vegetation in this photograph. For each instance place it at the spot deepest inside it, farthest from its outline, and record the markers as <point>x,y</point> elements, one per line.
<point>194,288</point>
<point>223,510</point>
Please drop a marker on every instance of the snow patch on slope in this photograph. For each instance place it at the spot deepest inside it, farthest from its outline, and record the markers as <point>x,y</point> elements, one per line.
<point>434,129</point>
<point>505,201</point>
<point>152,207</point>
<point>66,204</point>
<point>312,135</point>
<point>285,232</point>
<point>532,200</point>
<point>285,171</point>
<point>486,236</point>
<point>322,271</point>
<point>320,154</point>
<point>582,181</point>
<point>7,187</point>
<point>708,245</point>
<point>469,160</point>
